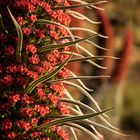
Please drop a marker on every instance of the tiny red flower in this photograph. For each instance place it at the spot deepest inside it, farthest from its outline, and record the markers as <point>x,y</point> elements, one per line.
<point>34,59</point>
<point>34,121</point>
<point>26,31</point>
<point>9,50</point>
<point>11,135</point>
<point>8,80</point>
<point>36,134</point>
<point>20,20</point>
<point>41,94</point>
<point>64,73</point>
<point>6,124</point>
<point>53,98</point>
<point>13,98</point>
<point>31,48</point>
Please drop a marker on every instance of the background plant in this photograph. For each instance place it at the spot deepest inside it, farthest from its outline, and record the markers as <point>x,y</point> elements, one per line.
<point>35,39</point>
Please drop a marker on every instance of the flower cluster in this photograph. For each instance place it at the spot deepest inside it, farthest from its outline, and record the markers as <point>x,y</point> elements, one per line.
<point>21,113</point>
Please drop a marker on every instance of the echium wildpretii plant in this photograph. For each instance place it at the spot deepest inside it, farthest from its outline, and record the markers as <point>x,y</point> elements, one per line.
<point>35,42</point>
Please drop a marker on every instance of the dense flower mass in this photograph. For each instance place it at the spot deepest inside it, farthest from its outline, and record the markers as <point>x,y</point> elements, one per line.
<point>20,112</point>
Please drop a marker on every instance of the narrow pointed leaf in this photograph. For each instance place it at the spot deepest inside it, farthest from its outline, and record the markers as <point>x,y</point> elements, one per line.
<point>2,27</point>
<point>86,107</point>
<point>83,92</point>
<point>74,134</point>
<point>91,122</point>
<point>80,82</point>
<point>20,37</point>
<point>89,7</point>
<point>53,46</point>
<point>71,119</point>
<point>92,57</point>
<point>79,127</point>
<point>80,77</point>
<point>44,21</point>
<point>82,17</point>
<point>88,41</point>
<point>90,54</point>
<point>76,6</point>
<point>102,126</point>
<point>45,77</point>
<point>87,30</point>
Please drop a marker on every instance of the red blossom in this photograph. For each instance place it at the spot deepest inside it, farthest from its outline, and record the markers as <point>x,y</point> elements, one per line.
<point>11,69</point>
<point>20,20</point>
<point>8,80</point>
<point>51,57</point>
<point>54,35</point>
<point>64,73</point>
<point>25,99</point>
<point>32,17</point>
<point>22,69</point>
<point>31,7</point>
<point>62,133</point>
<point>41,94</point>
<point>43,110</point>
<point>36,134</point>
<point>13,98</point>
<point>34,59</point>
<point>9,50</point>
<point>39,33</point>
<point>45,5</point>
<point>34,121</point>
<point>64,57</point>
<point>24,125</point>
<point>53,98</point>
<point>31,48</point>
<point>47,66</point>
<point>63,108</point>
<point>32,74</point>
<point>27,111</point>
<point>40,69</point>
<point>11,135</point>
<point>59,87</point>
<point>26,31</point>
<point>56,53</point>
<point>6,124</point>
